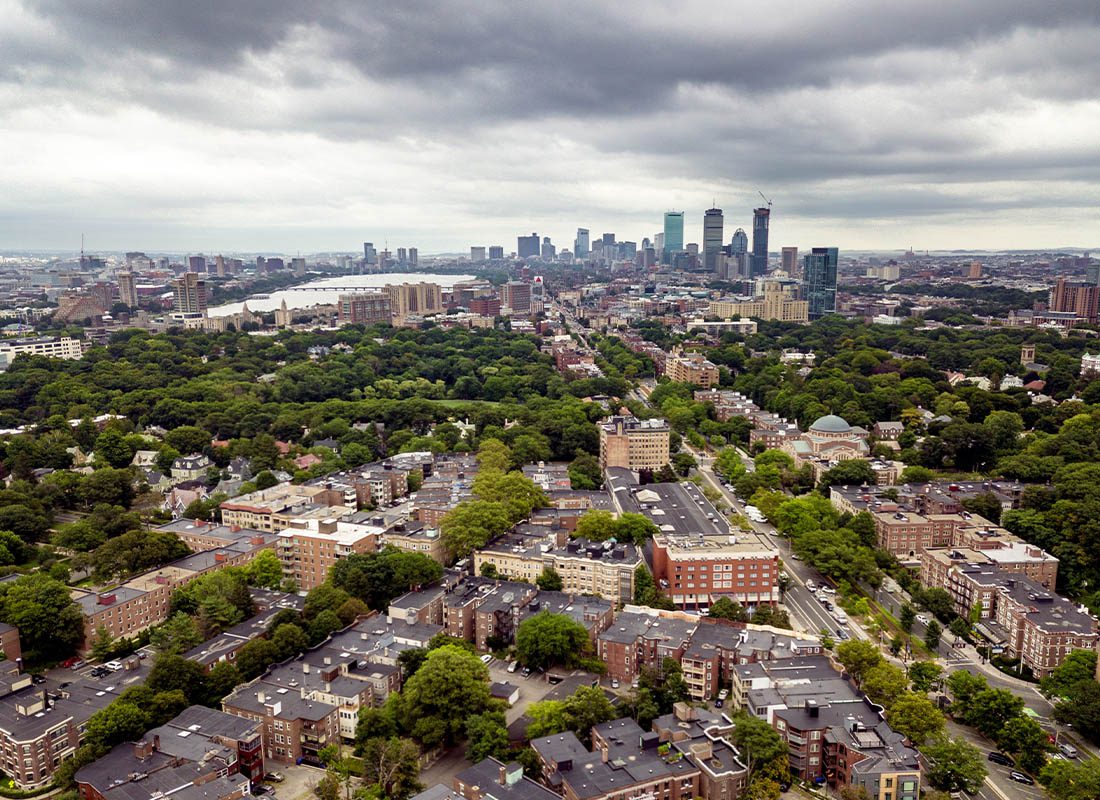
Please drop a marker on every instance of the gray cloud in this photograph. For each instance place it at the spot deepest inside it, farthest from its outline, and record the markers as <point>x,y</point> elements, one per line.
<point>245,115</point>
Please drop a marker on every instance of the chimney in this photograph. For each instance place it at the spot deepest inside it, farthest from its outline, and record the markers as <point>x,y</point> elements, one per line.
<point>143,749</point>
<point>235,528</point>
<point>261,697</point>
<point>156,742</point>
<point>503,775</point>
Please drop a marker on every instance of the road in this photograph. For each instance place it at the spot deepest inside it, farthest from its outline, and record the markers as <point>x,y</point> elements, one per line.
<point>800,601</point>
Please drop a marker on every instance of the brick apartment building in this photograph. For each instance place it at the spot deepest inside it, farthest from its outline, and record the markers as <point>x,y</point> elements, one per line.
<point>626,441</point>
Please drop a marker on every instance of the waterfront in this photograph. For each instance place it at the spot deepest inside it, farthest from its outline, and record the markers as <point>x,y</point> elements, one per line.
<point>326,290</point>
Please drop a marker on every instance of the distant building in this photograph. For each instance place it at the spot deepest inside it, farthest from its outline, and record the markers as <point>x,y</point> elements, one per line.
<point>190,294</point>
<point>777,303</point>
<point>819,278</point>
<point>64,347</point>
<point>516,296</point>
<point>789,261</point>
<point>761,217</point>
<point>691,368</point>
<point>581,246</point>
<point>414,298</point>
<point>496,252</point>
<point>712,239</point>
<point>477,254</point>
<point>673,235</point>
<point>127,289</point>
<point>528,246</point>
<point>365,308</point>
<point>1090,365</point>
<point>633,443</point>
<point>1081,299</point>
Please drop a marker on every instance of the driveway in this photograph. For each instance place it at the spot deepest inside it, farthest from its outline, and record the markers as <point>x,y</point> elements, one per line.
<point>299,783</point>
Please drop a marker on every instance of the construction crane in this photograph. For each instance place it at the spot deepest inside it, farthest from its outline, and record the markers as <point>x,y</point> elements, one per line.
<point>766,200</point>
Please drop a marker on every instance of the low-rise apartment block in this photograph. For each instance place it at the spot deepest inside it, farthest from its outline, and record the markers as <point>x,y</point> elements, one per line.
<point>309,548</point>
<point>692,368</point>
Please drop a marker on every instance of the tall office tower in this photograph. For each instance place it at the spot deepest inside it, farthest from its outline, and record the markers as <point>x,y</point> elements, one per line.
<point>712,239</point>
<point>196,263</point>
<point>219,267</point>
<point>127,288</point>
<point>299,266</point>
<point>414,256</point>
<point>496,252</point>
<point>477,253</point>
<point>608,239</point>
<point>234,265</point>
<point>190,291</point>
<point>414,298</point>
<point>759,261</point>
<point>581,246</point>
<point>819,278</point>
<point>402,255</point>
<point>790,261</point>
<point>548,249</point>
<point>261,265</point>
<point>739,244</point>
<point>363,308</point>
<point>370,255</point>
<point>528,246</point>
<point>975,271</point>
<point>674,235</point>
<point>274,264</point>
<point>659,244</point>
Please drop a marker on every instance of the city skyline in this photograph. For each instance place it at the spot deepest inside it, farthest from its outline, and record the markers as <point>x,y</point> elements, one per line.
<point>222,128</point>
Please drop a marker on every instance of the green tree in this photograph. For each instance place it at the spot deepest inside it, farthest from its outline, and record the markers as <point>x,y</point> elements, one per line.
<point>471,524</point>
<point>726,608</point>
<point>1024,738</point>
<point>545,639</point>
<point>265,570</point>
<point>990,709</point>
<point>585,472</point>
<point>549,580</point>
<point>102,644</point>
<point>595,525</point>
<point>487,736</point>
<point>954,764</point>
<point>916,717</point>
<point>255,657</point>
<point>112,449</point>
<point>517,493</point>
<point>756,740</point>
<point>906,617</point>
<point>884,683</point>
<point>176,673</point>
<point>858,657</point>
<point>1079,665</point>
<point>50,622</point>
<point>932,635</point>
<point>853,472</point>
<point>136,551</point>
<point>1081,709</point>
<point>289,640</point>
<point>119,722</point>
<point>924,675</point>
<point>392,766</point>
<point>493,454</point>
<point>375,723</point>
<point>450,687</point>
<point>1072,780</point>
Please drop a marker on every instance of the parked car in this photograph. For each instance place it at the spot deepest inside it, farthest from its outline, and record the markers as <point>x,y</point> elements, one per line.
<point>842,634</point>
<point>69,663</point>
<point>614,684</point>
<point>1020,777</point>
<point>275,777</point>
<point>78,664</point>
<point>810,585</point>
<point>719,703</point>
<point>1001,758</point>
<point>113,666</point>
<point>526,671</point>
<point>923,619</point>
<point>513,666</point>
<point>485,659</point>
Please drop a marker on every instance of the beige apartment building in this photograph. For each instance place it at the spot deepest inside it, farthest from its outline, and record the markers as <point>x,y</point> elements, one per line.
<point>691,368</point>
<point>635,444</point>
<point>265,509</point>
<point>777,303</point>
<point>414,298</point>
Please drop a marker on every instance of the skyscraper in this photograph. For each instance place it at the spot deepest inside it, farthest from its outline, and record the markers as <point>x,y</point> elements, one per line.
<point>549,251</point>
<point>739,244</point>
<point>789,262</point>
<point>674,235</point>
<point>196,263</point>
<point>477,253</point>
<point>127,288</point>
<point>190,293</point>
<point>819,277</point>
<point>414,256</point>
<point>369,253</point>
<point>581,245</point>
<point>496,252</point>
<point>712,239</point>
<point>527,246</point>
<point>759,263</point>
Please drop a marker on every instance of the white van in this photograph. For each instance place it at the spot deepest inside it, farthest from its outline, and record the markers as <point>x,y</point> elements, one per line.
<point>513,666</point>
<point>811,585</point>
<point>1068,750</point>
<point>841,617</point>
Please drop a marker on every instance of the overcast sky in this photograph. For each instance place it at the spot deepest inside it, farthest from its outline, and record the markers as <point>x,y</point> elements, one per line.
<point>287,125</point>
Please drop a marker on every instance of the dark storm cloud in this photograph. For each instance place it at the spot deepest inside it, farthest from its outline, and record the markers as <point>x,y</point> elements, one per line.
<point>820,99</point>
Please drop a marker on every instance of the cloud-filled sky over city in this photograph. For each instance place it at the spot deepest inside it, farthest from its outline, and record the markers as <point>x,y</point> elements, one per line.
<point>244,125</point>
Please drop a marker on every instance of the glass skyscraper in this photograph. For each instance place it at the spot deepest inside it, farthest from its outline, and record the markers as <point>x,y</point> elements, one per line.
<point>581,247</point>
<point>760,219</point>
<point>674,235</point>
<point>712,239</point>
<point>819,279</point>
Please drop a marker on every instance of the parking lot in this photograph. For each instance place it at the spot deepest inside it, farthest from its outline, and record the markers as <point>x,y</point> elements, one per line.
<point>298,782</point>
